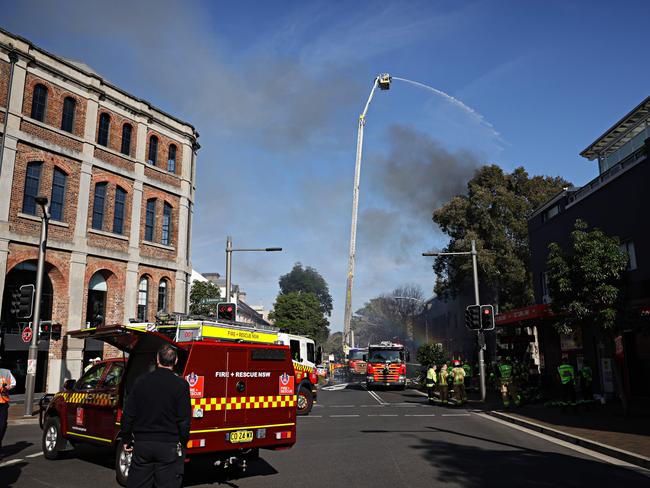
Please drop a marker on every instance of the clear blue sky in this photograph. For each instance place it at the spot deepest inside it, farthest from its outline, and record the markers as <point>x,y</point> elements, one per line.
<point>275,89</point>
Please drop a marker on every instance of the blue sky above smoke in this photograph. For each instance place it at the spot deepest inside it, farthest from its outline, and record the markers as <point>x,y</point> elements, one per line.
<point>275,89</point>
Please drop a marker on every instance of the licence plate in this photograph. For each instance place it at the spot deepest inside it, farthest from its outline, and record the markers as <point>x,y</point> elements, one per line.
<point>241,436</point>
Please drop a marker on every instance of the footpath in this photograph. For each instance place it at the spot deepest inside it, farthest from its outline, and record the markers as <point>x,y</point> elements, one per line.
<point>601,428</point>
<point>17,410</point>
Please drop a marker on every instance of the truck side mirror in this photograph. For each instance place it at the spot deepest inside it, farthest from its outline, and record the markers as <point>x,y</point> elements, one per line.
<point>408,356</point>
<point>319,355</point>
<point>68,385</point>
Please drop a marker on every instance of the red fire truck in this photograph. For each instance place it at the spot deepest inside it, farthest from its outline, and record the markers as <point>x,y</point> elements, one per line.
<point>357,363</point>
<point>242,393</point>
<point>386,365</point>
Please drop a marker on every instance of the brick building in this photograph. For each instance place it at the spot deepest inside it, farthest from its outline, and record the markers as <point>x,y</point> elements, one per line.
<point>120,177</point>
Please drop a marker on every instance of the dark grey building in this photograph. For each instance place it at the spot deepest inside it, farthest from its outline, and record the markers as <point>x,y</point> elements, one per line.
<point>613,202</point>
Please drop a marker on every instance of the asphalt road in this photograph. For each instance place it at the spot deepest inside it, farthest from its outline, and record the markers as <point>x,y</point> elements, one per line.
<point>360,439</point>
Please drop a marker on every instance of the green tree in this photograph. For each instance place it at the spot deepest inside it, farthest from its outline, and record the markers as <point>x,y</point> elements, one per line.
<point>300,313</point>
<point>586,286</point>
<point>307,280</point>
<point>203,290</point>
<point>429,354</point>
<point>495,213</point>
<point>334,345</point>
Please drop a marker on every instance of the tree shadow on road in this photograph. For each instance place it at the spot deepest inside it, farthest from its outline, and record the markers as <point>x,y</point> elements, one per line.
<point>480,462</point>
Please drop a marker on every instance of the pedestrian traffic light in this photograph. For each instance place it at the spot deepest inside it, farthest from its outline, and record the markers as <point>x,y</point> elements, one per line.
<point>44,330</point>
<point>473,317</point>
<point>487,317</point>
<point>227,311</point>
<point>22,300</point>
<point>56,332</point>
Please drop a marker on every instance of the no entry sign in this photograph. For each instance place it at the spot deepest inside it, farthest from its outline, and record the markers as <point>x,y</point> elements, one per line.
<point>27,334</point>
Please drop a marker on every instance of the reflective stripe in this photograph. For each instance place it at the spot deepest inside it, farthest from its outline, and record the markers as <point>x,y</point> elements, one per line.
<point>90,437</point>
<point>243,403</point>
<point>242,427</point>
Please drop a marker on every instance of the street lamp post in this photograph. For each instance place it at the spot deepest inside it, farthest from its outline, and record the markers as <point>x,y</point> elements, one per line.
<point>32,358</point>
<point>229,251</point>
<point>481,336</point>
<point>383,82</point>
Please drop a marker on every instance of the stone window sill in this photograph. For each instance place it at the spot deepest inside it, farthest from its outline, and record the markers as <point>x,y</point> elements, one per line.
<point>38,219</point>
<point>108,234</point>
<point>161,246</point>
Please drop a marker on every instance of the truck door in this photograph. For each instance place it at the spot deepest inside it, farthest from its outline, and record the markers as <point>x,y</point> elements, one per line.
<point>82,414</point>
<point>236,386</point>
<point>106,401</point>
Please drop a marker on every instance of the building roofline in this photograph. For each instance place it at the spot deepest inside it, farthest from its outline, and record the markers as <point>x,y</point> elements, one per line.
<point>553,200</point>
<point>92,74</point>
<point>612,134</point>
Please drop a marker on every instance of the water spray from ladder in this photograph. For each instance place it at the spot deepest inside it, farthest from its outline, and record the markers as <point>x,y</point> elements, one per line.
<point>469,110</point>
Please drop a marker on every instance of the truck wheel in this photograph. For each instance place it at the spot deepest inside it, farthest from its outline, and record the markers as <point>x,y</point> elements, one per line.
<point>305,401</point>
<point>122,464</point>
<point>53,442</point>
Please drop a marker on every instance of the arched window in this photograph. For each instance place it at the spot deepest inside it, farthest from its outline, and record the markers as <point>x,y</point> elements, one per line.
<point>32,185</point>
<point>143,298</point>
<point>98,206</point>
<point>67,119</point>
<point>167,224</point>
<point>104,128</point>
<point>171,160</point>
<point>39,103</point>
<point>150,220</point>
<point>126,139</point>
<point>58,194</point>
<point>118,216</point>
<point>163,294</point>
<point>96,306</point>
<point>153,150</point>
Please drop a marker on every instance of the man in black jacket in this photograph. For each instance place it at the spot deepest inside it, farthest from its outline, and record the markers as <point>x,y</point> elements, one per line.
<point>156,425</point>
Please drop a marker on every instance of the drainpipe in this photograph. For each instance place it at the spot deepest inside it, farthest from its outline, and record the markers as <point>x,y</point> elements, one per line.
<point>13,59</point>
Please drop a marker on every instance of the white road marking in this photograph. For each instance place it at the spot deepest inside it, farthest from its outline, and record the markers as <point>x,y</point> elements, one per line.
<point>388,415</point>
<point>341,406</point>
<point>366,406</point>
<point>318,406</point>
<point>419,415</point>
<point>456,414</point>
<point>305,417</point>
<point>10,462</point>
<point>375,396</point>
<point>403,405</point>
<point>36,454</point>
<point>419,392</point>
<point>355,415</point>
<point>568,445</point>
<point>341,386</point>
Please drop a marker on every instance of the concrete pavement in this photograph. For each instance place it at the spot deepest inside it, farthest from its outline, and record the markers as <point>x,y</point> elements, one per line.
<point>362,439</point>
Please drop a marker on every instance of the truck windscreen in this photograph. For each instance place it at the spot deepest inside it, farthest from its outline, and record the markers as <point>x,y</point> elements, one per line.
<point>355,355</point>
<point>385,355</point>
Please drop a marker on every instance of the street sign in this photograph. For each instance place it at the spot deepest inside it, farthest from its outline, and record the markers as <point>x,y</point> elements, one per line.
<point>211,301</point>
<point>27,334</point>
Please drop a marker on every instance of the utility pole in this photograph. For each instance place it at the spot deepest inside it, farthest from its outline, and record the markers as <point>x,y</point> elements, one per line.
<point>477,300</point>
<point>32,358</point>
<point>383,82</point>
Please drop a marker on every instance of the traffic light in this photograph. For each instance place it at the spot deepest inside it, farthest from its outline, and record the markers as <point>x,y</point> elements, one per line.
<point>473,317</point>
<point>487,317</point>
<point>22,300</point>
<point>56,332</point>
<point>44,330</point>
<point>227,311</point>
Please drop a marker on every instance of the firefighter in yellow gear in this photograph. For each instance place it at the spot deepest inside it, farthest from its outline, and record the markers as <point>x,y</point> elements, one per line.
<point>443,386</point>
<point>459,383</point>
<point>432,379</point>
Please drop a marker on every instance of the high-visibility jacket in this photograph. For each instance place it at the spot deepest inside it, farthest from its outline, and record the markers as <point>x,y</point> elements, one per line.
<point>443,375</point>
<point>566,372</point>
<point>7,382</point>
<point>431,377</point>
<point>468,369</point>
<point>505,371</point>
<point>459,375</point>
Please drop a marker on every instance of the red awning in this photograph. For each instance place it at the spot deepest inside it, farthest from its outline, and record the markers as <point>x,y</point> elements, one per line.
<point>524,313</point>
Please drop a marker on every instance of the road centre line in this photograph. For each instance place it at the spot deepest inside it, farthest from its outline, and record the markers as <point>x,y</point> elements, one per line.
<point>365,406</point>
<point>419,415</point>
<point>36,454</point>
<point>355,415</point>
<point>312,416</point>
<point>388,415</point>
<point>456,414</point>
<point>342,406</point>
